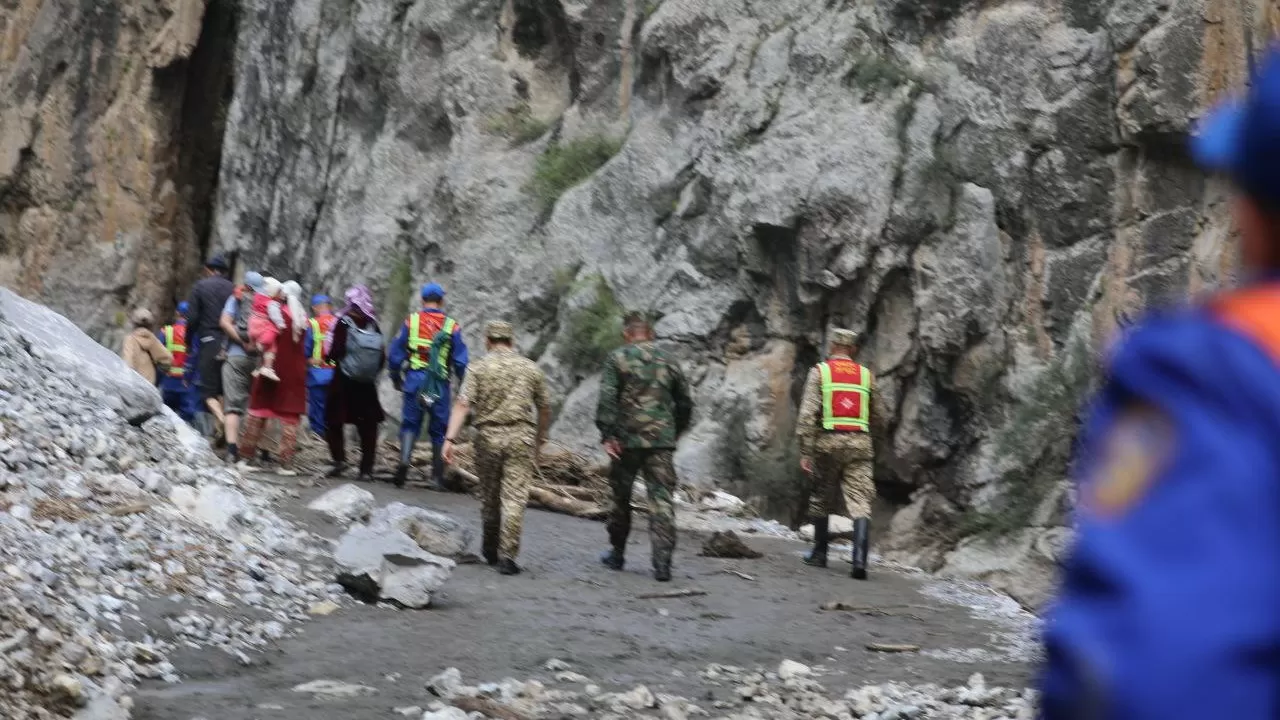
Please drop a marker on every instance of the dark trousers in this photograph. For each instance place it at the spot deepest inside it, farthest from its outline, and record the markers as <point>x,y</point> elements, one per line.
<point>660,482</point>
<point>337,438</point>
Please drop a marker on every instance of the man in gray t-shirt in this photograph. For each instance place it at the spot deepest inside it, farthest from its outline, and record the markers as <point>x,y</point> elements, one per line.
<point>237,370</point>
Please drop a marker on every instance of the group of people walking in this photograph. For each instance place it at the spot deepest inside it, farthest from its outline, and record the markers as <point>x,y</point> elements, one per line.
<point>252,354</point>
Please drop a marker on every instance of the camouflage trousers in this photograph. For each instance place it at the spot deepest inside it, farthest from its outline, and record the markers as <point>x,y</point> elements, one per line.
<point>660,481</point>
<point>505,465</point>
<point>842,476</point>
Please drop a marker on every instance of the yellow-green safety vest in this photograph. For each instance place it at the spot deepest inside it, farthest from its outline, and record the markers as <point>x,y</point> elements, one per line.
<point>846,396</point>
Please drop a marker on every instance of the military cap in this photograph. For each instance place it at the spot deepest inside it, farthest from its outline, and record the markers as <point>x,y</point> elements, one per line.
<point>499,330</point>
<point>843,337</point>
<point>637,317</point>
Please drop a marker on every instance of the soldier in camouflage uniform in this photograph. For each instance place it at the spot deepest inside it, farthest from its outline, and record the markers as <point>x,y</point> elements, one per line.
<point>644,407</point>
<point>508,395</point>
<point>834,437</point>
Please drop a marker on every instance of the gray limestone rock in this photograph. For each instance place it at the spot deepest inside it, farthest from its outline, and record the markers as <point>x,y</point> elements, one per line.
<point>379,562</point>
<point>344,504</point>
<point>435,532</point>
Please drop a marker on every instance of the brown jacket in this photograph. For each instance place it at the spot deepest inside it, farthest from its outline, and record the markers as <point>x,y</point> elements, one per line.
<point>143,351</point>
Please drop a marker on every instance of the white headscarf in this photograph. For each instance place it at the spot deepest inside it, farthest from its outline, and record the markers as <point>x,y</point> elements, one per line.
<point>297,311</point>
<point>270,287</point>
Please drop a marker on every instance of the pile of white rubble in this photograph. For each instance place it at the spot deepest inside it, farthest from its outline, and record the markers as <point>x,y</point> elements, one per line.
<point>121,535</point>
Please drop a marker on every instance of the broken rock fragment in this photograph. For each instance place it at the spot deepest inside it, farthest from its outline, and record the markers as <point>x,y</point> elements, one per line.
<point>379,562</point>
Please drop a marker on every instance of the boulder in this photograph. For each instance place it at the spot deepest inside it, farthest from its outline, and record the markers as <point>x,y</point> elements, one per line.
<point>435,532</point>
<point>344,504</point>
<point>379,562</point>
<point>59,343</point>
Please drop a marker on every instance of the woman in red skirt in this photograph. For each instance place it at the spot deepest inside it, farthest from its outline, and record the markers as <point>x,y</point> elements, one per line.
<point>284,400</point>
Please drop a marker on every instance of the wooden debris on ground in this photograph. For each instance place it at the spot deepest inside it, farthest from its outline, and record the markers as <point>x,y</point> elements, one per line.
<point>869,610</point>
<point>739,573</point>
<point>892,648</point>
<point>688,592</point>
<point>727,545</point>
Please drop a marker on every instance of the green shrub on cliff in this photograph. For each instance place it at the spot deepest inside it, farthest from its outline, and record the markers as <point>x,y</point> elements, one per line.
<point>564,165</point>
<point>593,331</point>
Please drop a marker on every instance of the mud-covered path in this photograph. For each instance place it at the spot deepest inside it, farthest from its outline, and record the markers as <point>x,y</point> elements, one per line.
<point>567,606</point>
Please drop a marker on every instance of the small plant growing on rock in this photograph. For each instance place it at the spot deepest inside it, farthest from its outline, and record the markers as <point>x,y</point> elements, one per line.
<point>1050,404</point>
<point>518,125</point>
<point>593,331</point>
<point>564,165</point>
<point>877,74</point>
<point>399,290</point>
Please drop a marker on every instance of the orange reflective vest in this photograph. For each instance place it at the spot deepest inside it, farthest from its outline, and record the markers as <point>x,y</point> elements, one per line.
<point>846,396</point>
<point>175,341</point>
<point>320,327</point>
<point>423,327</point>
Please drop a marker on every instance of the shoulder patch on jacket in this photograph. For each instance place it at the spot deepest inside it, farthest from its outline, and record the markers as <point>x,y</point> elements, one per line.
<point>1136,449</point>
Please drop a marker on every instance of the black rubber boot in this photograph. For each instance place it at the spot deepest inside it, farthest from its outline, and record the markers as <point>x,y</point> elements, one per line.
<point>407,439</point>
<point>662,574</point>
<point>507,566</point>
<point>613,559</point>
<point>817,557</point>
<point>336,471</point>
<point>861,539</point>
<point>437,468</point>
<point>489,547</point>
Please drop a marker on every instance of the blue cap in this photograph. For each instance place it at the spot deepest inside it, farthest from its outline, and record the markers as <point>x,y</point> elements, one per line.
<point>183,307</point>
<point>320,299</point>
<point>432,291</point>
<point>253,279</point>
<point>217,262</point>
<point>1241,137</point>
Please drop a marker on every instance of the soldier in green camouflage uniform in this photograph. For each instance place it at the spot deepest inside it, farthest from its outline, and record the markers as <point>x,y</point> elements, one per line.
<point>838,460</point>
<point>508,395</point>
<point>644,407</point>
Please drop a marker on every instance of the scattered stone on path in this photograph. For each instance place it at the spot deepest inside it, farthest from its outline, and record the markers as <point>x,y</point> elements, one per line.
<point>379,562</point>
<point>436,532</point>
<point>410,711</point>
<point>334,688</point>
<point>344,504</point>
<point>727,544</point>
<point>556,665</point>
<point>325,607</point>
<point>789,669</point>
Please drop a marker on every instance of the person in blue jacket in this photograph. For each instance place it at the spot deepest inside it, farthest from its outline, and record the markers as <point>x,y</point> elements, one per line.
<point>1170,600</point>
<point>319,369</point>
<point>430,344</point>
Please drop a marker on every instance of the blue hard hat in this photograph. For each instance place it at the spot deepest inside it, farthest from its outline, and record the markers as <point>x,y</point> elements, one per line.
<point>320,299</point>
<point>1241,137</point>
<point>432,291</point>
<point>183,307</point>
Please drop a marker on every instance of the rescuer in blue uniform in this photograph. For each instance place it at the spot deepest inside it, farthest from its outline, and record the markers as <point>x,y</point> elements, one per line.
<point>1170,604</point>
<point>176,387</point>
<point>431,344</point>
<point>319,369</point>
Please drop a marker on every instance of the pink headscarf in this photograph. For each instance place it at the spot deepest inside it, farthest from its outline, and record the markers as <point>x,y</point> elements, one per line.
<point>358,296</point>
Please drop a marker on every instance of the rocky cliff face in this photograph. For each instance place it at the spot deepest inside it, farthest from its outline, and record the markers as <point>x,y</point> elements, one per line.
<point>110,133</point>
<point>985,191</point>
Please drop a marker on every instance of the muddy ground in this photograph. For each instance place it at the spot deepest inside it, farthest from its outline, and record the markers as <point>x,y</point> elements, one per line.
<point>567,606</point>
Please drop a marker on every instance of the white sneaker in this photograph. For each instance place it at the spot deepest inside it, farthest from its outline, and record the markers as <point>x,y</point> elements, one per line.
<point>245,467</point>
<point>287,472</point>
<point>269,373</point>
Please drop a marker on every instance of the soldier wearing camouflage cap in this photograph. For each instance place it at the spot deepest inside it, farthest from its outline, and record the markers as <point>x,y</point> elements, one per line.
<point>644,407</point>
<point>507,393</point>
<point>833,432</point>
